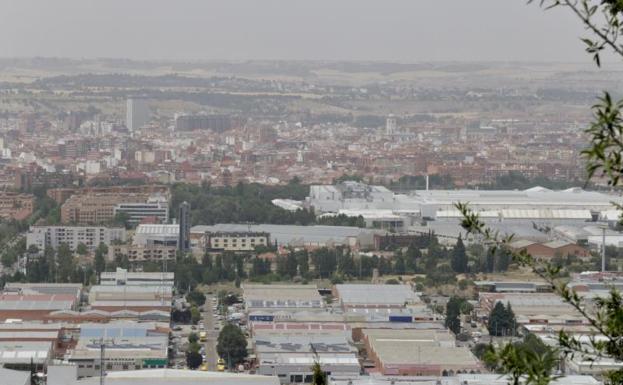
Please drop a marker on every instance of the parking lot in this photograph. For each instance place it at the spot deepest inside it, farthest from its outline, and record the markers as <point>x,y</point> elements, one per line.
<point>207,329</point>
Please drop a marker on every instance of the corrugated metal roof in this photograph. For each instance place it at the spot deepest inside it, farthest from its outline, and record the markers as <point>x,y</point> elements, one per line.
<point>157,229</point>
<point>353,294</point>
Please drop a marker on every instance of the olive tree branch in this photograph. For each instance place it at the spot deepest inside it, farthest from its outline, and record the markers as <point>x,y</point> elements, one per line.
<point>548,272</point>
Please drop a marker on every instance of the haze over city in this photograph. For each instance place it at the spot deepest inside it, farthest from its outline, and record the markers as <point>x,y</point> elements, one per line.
<point>280,192</point>
<point>396,30</point>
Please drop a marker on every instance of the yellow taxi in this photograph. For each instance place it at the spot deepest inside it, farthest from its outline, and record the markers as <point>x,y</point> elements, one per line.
<point>220,365</point>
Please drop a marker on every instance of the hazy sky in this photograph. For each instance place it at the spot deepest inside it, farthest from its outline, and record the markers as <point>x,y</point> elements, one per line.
<point>400,30</point>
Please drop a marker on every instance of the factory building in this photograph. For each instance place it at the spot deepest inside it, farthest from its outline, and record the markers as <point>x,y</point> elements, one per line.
<point>418,353</point>
<point>377,203</point>
<point>282,297</point>
<point>127,346</point>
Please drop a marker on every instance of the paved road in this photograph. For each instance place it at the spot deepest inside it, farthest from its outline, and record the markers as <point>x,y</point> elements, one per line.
<point>210,345</point>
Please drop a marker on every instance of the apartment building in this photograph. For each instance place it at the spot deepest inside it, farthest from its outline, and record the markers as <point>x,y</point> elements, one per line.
<point>156,208</point>
<point>142,253</point>
<point>90,236</point>
<point>16,206</point>
<point>94,208</point>
<point>236,241</point>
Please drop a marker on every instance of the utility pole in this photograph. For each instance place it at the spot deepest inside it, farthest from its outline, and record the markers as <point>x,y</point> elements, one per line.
<point>164,273</point>
<point>102,355</point>
<point>102,343</point>
<point>603,250</point>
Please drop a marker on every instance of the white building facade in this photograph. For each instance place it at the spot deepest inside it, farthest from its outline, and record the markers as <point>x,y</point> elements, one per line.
<point>90,236</point>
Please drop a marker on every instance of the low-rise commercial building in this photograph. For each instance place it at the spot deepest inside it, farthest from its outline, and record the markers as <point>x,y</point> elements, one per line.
<point>121,353</point>
<point>21,355</point>
<point>122,277</point>
<point>291,356</point>
<point>549,250</point>
<point>375,296</point>
<point>418,353</point>
<point>147,235</point>
<point>513,287</point>
<point>296,368</point>
<point>536,308</point>
<point>127,346</point>
<point>30,307</point>
<point>236,241</point>
<point>285,297</point>
<point>15,377</point>
<point>137,298</point>
<point>297,236</point>
<point>73,289</point>
<point>78,317</point>
<point>168,376</point>
<point>461,379</point>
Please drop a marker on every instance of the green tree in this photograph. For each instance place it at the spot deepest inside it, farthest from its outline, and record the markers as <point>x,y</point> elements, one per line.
<point>503,259</point>
<point>122,219</point>
<point>291,265</point>
<point>459,257</point>
<point>399,266</point>
<point>523,362</point>
<point>240,271</point>
<point>412,256</point>
<point>501,320</point>
<point>206,261</point>
<point>453,313</point>
<point>33,249</point>
<point>232,345</point>
<point>196,297</point>
<point>319,377</point>
<point>218,267</point>
<point>282,269</point>
<point>65,262</point>
<point>49,255</point>
<point>100,257</point>
<point>193,360</point>
<point>479,350</point>
<point>9,257</point>
<point>81,249</point>
<point>384,266</point>
<point>345,262</point>
<point>193,338</point>
<point>303,262</point>
<point>195,315</point>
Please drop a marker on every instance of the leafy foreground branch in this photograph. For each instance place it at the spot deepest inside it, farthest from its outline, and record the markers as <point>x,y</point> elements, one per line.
<point>603,19</point>
<point>605,315</point>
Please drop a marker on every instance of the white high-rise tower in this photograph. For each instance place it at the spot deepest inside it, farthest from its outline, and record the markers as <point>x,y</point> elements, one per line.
<point>137,113</point>
<point>390,125</point>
